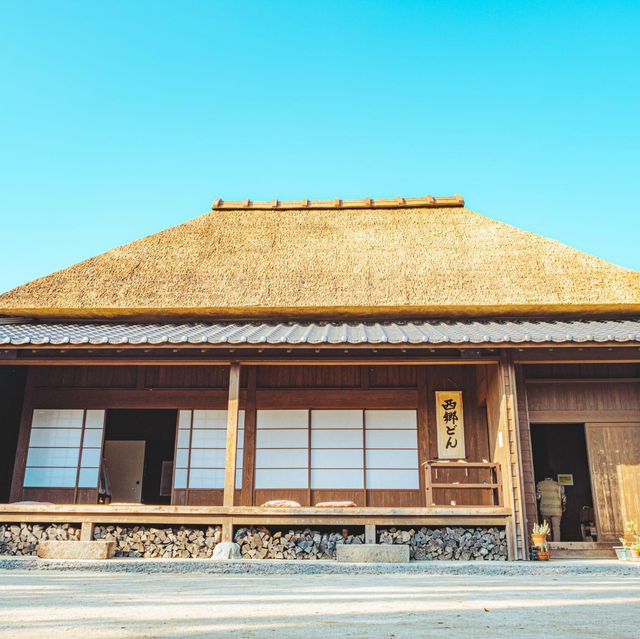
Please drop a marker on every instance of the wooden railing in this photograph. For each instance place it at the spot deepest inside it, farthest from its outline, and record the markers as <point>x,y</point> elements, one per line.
<point>460,484</point>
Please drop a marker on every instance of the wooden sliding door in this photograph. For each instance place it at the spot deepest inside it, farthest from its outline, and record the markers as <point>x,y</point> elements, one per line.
<point>614,461</point>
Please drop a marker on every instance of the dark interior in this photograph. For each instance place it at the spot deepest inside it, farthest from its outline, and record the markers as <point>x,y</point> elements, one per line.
<point>12,381</point>
<point>158,429</point>
<point>562,448</point>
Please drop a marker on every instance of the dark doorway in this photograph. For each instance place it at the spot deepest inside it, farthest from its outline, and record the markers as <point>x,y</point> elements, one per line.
<point>12,381</point>
<point>157,429</point>
<point>562,449</point>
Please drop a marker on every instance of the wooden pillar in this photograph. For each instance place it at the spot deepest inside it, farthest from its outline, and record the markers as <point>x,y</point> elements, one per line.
<point>370,534</point>
<point>249,450</point>
<point>86,531</point>
<point>227,529</point>
<point>233,409</point>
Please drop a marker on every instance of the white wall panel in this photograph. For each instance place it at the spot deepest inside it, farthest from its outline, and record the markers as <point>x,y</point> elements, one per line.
<point>55,437</point>
<point>391,419</point>
<point>53,457</point>
<point>282,458</point>
<point>48,477</point>
<point>392,439</point>
<point>57,418</point>
<point>392,459</point>
<point>282,419</point>
<point>183,439</point>
<point>182,458</point>
<point>92,438</point>
<point>180,478</point>
<point>90,458</point>
<point>339,419</point>
<point>282,478</point>
<point>336,439</point>
<point>275,438</point>
<point>94,419</point>
<point>206,478</point>
<point>88,478</point>
<point>337,478</point>
<point>336,458</point>
<point>392,479</point>
<point>184,419</point>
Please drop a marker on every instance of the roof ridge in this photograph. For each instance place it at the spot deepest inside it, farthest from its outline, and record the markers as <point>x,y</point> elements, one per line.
<point>365,203</point>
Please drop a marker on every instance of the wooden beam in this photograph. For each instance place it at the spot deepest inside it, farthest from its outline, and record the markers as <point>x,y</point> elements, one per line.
<point>249,447</point>
<point>582,416</point>
<point>233,410</point>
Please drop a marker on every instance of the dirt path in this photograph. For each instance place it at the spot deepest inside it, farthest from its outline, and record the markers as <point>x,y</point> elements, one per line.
<point>97,605</point>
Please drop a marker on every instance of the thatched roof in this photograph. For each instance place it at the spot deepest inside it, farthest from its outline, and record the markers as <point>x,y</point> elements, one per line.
<point>338,259</point>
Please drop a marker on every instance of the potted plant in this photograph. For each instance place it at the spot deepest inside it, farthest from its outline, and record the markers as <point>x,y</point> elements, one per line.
<point>543,552</point>
<point>635,551</point>
<point>631,532</point>
<point>622,552</point>
<point>540,532</point>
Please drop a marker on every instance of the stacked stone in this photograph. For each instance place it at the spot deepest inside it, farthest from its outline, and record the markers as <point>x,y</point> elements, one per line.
<point>295,544</point>
<point>465,544</point>
<point>167,543</point>
<point>22,539</point>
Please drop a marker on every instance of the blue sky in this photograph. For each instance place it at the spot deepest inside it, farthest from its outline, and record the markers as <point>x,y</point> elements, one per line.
<point>118,119</point>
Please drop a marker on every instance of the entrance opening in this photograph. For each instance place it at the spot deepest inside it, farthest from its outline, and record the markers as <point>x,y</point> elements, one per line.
<point>561,449</point>
<point>138,455</point>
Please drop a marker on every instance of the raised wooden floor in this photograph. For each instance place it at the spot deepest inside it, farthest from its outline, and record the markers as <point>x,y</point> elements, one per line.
<point>242,515</point>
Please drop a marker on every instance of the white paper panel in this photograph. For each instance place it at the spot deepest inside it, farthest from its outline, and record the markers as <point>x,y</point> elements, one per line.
<point>206,478</point>
<point>213,438</point>
<point>53,457</point>
<point>392,439</point>
<point>182,458</point>
<point>337,478</point>
<point>92,438</point>
<point>282,419</point>
<point>90,458</point>
<point>184,419</point>
<point>282,478</point>
<point>391,419</point>
<point>94,419</point>
<point>392,459</point>
<point>274,438</point>
<point>214,419</point>
<point>55,437</point>
<point>336,458</point>
<point>208,457</point>
<point>336,419</point>
<point>88,478</point>
<point>50,477</point>
<point>282,458</point>
<point>183,439</point>
<point>336,439</point>
<point>56,418</point>
<point>381,479</point>
<point>180,479</point>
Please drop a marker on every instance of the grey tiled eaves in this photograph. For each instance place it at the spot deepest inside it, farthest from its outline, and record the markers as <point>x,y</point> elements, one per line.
<point>14,333</point>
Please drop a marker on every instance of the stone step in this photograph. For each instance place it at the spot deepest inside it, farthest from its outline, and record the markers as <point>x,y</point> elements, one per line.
<point>76,549</point>
<point>582,550</point>
<point>373,553</point>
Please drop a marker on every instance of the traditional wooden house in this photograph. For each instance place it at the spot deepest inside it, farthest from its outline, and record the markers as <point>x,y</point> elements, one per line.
<point>411,356</point>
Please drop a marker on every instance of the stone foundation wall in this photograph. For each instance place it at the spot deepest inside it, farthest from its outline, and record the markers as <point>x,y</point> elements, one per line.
<point>465,544</point>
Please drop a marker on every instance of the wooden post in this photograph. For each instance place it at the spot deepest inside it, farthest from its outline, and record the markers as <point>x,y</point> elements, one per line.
<point>227,529</point>
<point>86,531</point>
<point>232,435</point>
<point>370,534</point>
<point>249,455</point>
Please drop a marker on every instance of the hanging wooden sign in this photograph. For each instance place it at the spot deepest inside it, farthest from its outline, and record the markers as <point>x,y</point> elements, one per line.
<point>450,423</point>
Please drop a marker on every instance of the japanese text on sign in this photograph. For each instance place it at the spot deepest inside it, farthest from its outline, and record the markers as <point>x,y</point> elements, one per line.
<point>450,422</point>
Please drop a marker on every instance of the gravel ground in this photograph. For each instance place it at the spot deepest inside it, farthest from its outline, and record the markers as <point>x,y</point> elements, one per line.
<point>317,567</point>
<point>96,604</point>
